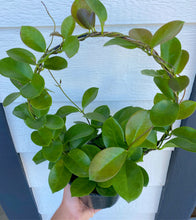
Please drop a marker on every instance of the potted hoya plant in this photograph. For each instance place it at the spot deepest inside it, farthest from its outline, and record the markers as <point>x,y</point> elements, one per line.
<point>99,156</point>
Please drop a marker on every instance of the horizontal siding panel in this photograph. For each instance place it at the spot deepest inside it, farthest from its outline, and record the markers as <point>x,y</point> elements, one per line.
<point>155,163</point>
<point>108,68</point>
<point>146,203</point>
<point>14,13</point>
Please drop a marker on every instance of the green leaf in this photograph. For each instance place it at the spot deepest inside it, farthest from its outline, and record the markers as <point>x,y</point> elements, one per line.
<point>32,38</point>
<point>10,98</point>
<point>83,14</point>
<point>89,95</point>
<point>102,110</point>
<point>123,115</point>
<point>145,175</point>
<point>186,133</point>
<point>68,26</point>
<point>178,84</point>
<point>55,63</point>
<point>151,141</point>
<point>135,154</point>
<point>163,85</point>
<point>42,137</point>
<point>181,62</point>
<point>53,151</point>
<point>105,184</point>
<point>99,10</point>
<point>170,51</point>
<point>17,84</point>
<point>50,165</point>
<point>71,46</point>
<point>159,97</point>
<point>16,70</point>
<point>187,108</point>
<point>106,164</point>
<point>35,123</point>
<point>166,32</point>
<point>181,143</point>
<point>164,113</point>
<point>39,113</point>
<point>54,122</point>
<point>39,157</point>
<point>153,73</point>
<point>121,42</point>
<point>22,55</point>
<point>112,134</point>
<point>34,88</point>
<point>82,187</point>
<point>77,162</point>
<point>138,128</point>
<point>106,191</point>
<point>66,110</point>
<point>95,116</point>
<point>59,176</point>
<point>129,182</point>
<point>42,102</point>
<point>90,150</point>
<point>78,131</point>
<point>22,111</point>
<point>141,34</point>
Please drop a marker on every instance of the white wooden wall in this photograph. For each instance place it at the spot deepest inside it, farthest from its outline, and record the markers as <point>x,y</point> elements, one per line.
<point>116,71</point>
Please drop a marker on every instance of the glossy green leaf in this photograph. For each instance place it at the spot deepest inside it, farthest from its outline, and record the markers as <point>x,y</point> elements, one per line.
<point>32,38</point>
<point>112,133</point>
<point>77,162</point>
<point>135,154</point>
<point>187,108</point>
<point>153,73</point>
<point>181,143</point>
<point>129,182</point>
<point>83,14</point>
<point>99,10</point>
<point>71,46</point>
<point>145,175</point>
<point>89,95</point>
<point>10,98</point>
<point>106,191</point>
<point>123,115</point>
<point>53,151</point>
<point>170,51</point>
<point>39,113</point>
<point>42,137</point>
<point>164,113</point>
<point>22,55</point>
<point>55,63</point>
<point>17,84</point>
<point>186,133</point>
<point>166,32</point>
<point>90,150</point>
<point>13,69</point>
<point>66,110</point>
<point>22,111</point>
<point>67,26</point>
<point>82,187</point>
<point>151,141</point>
<point>141,34</point>
<point>35,123</point>
<point>106,164</point>
<point>54,122</point>
<point>121,42</point>
<point>42,102</point>
<point>105,184</point>
<point>59,176</point>
<point>34,88</point>
<point>39,157</point>
<point>178,84</point>
<point>159,97</point>
<point>138,128</point>
<point>95,116</point>
<point>182,61</point>
<point>102,110</point>
<point>163,85</point>
<point>78,131</point>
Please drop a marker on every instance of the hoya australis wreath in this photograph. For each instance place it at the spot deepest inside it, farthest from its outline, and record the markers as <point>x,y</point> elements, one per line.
<point>101,154</point>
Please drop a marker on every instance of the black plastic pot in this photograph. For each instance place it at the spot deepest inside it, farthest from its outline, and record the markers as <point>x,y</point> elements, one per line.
<point>96,201</point>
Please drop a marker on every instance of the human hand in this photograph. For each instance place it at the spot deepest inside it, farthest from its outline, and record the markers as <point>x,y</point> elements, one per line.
<point>72,208</point>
